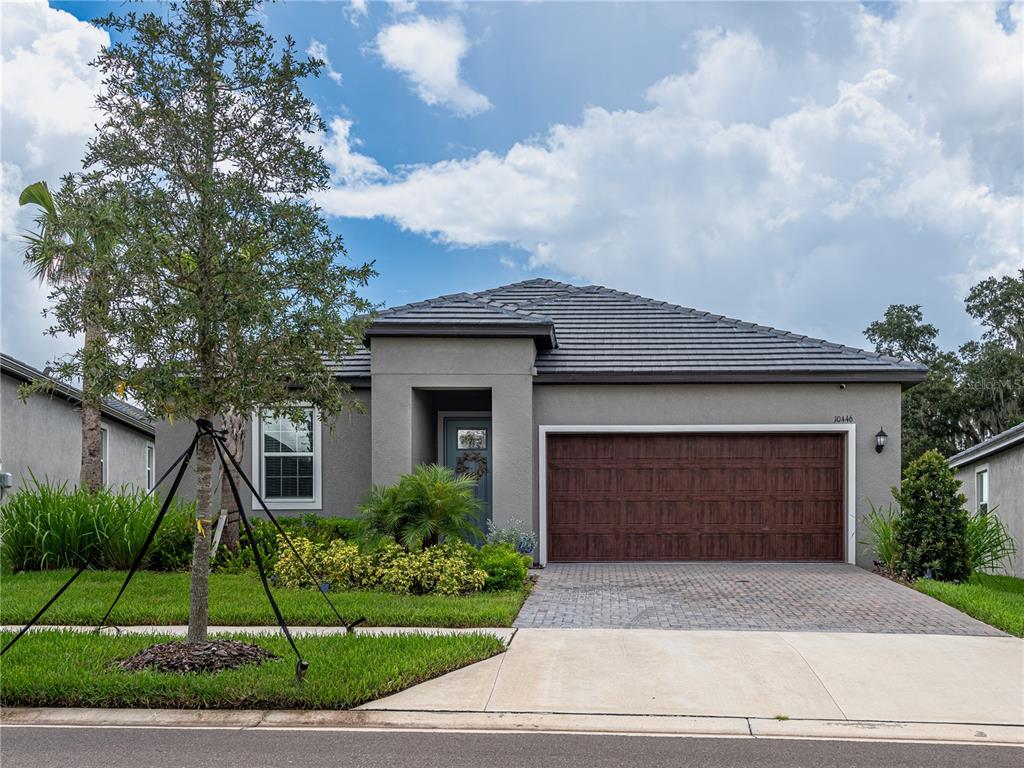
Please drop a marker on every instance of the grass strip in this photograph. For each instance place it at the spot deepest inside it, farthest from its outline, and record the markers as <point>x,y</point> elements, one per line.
<point>238,600</point>
<point>74,669</point>
<point>996,600</point>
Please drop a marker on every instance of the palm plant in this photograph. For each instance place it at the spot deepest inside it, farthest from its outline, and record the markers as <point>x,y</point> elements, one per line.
<point>424,507</point>
<point>75,237</point>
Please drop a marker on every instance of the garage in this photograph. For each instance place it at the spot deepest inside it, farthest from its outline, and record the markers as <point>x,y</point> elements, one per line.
<point>695,496</point>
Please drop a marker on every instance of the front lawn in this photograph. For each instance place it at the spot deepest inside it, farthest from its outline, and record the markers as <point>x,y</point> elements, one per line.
<point>74,669</point>
<point>238,600</point>
<point>996,600</point>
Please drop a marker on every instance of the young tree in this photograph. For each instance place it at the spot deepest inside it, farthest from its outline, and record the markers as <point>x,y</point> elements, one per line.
<point>231,294</point>
<point>72,250</point>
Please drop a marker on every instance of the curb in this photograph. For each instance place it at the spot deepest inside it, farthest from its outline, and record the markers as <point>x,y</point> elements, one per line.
<point>180,630</point>
<point>519,722</point>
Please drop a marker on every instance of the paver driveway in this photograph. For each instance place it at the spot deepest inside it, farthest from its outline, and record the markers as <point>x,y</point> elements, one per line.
<point>807,597</point>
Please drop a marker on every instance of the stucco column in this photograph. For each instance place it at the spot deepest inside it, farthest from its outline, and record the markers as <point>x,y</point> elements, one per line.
<point>391,428</point>
<point>512,423</point>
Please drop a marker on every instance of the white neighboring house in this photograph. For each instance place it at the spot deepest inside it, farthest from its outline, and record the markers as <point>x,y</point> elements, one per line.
<point>992,473</point>
<point>44,434</point>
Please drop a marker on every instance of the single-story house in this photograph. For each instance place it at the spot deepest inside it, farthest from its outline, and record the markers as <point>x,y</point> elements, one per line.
<point>992,477</point>
<point>618,427</point>
<point>43,436</point>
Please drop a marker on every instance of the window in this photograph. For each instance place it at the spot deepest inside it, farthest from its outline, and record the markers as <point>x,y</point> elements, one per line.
<point>289,461</point>
<point>470,438</point>
<point>150,465</point>
<point>981,480</point>
<point>104,443</point>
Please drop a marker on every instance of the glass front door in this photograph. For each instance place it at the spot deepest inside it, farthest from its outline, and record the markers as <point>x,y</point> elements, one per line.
<point>467,450</point>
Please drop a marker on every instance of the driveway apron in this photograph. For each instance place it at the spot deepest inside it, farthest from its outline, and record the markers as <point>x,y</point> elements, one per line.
<point>777,597</point>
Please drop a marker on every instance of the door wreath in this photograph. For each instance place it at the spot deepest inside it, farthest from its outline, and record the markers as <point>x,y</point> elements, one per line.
<point>472,463</point>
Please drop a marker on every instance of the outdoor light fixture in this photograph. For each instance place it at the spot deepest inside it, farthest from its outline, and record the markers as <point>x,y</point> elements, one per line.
<point>880,439</point>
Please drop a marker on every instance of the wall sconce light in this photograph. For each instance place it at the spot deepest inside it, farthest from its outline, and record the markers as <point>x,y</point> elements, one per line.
<point>880,439</point>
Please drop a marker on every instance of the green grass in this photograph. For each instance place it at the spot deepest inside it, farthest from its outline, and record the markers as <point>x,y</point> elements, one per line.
<point>73,669</point>
<point>996,600</point>
<point>238,600</point>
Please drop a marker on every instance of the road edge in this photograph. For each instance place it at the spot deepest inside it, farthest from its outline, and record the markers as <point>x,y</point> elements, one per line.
<point>520,722</point>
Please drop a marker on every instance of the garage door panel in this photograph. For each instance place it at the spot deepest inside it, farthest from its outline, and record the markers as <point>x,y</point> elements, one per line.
<point>695,496</point>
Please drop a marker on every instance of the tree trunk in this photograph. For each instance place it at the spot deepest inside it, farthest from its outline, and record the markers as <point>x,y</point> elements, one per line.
<point>234,426</point>
<point>91,475</point>
<point>198,595</point>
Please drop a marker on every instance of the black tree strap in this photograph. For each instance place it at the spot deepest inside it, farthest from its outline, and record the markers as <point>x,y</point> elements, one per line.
<point>44,609</point>
<point>184,459</point>
<point>301,664</point>
<point>349,626</point>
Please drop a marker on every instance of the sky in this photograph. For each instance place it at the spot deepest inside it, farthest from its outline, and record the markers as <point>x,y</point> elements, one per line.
<point>799,165</point>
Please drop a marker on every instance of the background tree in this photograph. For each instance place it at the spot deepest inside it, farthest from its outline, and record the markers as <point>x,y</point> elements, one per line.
<point>972,393</point>
<point>73,247</point>
<point>231,291</point>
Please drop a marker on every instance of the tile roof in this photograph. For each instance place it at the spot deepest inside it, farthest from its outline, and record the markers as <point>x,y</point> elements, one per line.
<point>600,333</point>
<point>995,444</point>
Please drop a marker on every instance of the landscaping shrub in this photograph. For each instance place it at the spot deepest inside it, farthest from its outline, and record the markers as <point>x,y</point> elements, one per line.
<point>422,508</point>
<point>505,568</point>
<point>317,529</point>
<point>931,529</point>
<point>989,545</point>
<point>514,533</point>
<point>46,526</point>
<point>446,569</point>
<point>881,523</point>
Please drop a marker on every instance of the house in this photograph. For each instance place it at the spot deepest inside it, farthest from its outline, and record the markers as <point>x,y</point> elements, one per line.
<point>43,436</point>
<point>620,427</point>
<point>992,477</point>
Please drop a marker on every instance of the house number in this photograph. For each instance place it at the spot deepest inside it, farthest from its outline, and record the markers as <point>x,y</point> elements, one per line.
<point>844,419</point>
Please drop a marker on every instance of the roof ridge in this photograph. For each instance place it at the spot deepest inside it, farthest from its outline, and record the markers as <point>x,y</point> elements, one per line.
<point>509,308</point>
<point>546,281</point>
<point>763,329</point>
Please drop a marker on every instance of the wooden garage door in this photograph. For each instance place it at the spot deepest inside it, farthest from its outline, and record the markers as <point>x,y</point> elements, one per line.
<point>695,497</point>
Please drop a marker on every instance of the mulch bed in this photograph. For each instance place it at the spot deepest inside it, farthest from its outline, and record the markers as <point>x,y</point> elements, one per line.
<point>182,657</point>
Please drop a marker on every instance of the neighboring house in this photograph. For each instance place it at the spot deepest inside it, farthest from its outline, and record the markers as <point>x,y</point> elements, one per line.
<point>992,473</point>
<point>621,428</point>
<point>44,434</point>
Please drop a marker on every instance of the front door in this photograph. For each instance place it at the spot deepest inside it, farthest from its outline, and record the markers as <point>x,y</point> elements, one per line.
<point>467,450</point>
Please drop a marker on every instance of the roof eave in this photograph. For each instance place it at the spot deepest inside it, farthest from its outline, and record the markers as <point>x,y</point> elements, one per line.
<point>542,334</point>
<point>981,451</point>
<point>18,370</point>
<point>906,378</point>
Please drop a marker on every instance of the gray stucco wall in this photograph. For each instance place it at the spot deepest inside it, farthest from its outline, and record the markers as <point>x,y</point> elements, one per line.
<point>400,366</point>
<point>1005,494</point>
<point>345,464</point>
<point>44,435</point>
<point>871,406</point>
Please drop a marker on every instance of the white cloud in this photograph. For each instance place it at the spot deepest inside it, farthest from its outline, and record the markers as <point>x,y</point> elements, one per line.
<point>429,53</point>
<point>402,7</point>
<point>47,115</point>
<point>355,11</point>
<point>347,166</point>
<point>318,50</point>
<point>760,203</point>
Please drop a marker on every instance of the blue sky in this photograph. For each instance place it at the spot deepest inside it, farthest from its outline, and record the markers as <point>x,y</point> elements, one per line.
<point>797,165</point>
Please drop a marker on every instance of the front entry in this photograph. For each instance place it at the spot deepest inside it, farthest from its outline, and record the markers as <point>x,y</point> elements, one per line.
<point>467,450</point>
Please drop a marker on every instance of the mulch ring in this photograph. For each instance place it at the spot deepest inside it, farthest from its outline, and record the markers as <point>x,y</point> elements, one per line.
<point>209,656</point>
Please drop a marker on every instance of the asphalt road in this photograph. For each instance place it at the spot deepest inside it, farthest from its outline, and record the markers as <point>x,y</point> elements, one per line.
<point>88,747</point>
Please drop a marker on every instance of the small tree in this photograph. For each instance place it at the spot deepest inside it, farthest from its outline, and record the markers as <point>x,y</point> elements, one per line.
<point>231,294</point>
<point>73,249</point>
<point>931,529</point>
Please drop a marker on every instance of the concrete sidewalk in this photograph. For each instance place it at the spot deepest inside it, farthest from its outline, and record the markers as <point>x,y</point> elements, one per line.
<point>177,630</point>
<point>826,676</point>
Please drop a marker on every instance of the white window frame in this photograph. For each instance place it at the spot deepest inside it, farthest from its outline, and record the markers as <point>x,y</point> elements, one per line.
<point>314,504</point>
<point>150,465</point>
<point>104,455</point>
<point>849,430</point>
<point>978,473</point>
